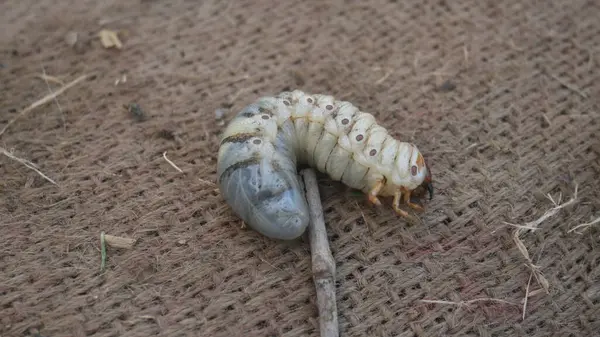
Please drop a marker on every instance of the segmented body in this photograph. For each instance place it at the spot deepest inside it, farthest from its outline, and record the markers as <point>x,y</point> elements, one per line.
<point>263,145</point>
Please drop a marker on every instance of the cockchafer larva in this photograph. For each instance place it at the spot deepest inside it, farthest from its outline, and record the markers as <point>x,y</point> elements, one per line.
<point>265,142</point>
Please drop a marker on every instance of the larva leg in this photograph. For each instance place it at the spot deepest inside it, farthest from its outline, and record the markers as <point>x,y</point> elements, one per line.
<point>406,195</point>
<point>374,191</point>
<point>396,204</point>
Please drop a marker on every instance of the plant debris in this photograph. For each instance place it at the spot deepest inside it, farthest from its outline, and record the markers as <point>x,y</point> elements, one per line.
<point>27,163</point>
<point>71,38</point>
<point>119,242</point>
<point>44,100</point>
<point>171,163</point>
<point>49,78</point>
<point>110,39</point>
<point>584,226</point>
<point>113,241</point>
<point>121,79</point>
<point>533,225</point>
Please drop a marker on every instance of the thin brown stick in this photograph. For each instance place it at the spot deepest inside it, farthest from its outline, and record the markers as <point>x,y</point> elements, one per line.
<point>323,265</point>
<point>43,100</point>
<point>27,163</point>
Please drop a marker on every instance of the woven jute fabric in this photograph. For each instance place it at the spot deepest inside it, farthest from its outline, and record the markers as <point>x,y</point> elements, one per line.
<point>501,97</point>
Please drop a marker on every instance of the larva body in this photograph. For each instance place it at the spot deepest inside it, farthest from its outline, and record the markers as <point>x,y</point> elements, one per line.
<point>263,145</point>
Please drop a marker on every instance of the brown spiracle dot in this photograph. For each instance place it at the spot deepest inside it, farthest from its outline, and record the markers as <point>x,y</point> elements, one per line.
<point>265,117</point>
<point>359,137</point>
<point>345,121</point>
<point>257,141</point>
<point>309,100</point>
<point>286,102</point>
<point>413,170</point>
<point>329,107</point>
<point>373,152</point>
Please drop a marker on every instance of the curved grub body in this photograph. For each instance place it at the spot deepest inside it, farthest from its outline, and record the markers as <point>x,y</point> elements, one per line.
<point>263,145</point>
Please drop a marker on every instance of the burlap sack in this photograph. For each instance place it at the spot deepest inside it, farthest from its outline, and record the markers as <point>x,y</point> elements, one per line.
<point>502,97</point>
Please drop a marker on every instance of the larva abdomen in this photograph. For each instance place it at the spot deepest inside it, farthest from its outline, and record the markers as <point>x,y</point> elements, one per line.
<point>262,146</point>
<point>268,199</point>
<point>257,176</point>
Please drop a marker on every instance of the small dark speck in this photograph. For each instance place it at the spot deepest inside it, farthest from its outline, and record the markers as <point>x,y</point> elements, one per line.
<point>447,86</point>
<point>136,111</point>
<point>168,131</point>
<point>298,77</point>
<point>166,134</point>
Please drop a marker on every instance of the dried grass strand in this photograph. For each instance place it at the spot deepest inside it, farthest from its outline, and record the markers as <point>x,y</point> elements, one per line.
<point>584,225</point>
<point>569,86</point>
<point>28,164</point>
<point>48,78</point>
<point>48,98</point>
<point>532,225</point>
<point>526,295</point>
<point>171,163</point>
<point>549,213</point>
<point>45,77</point>
<point>102,251</point>
<point>469,302</point>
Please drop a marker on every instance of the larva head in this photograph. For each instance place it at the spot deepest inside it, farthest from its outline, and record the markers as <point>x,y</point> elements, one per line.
<point>419,172</point>
<point>427,183</point>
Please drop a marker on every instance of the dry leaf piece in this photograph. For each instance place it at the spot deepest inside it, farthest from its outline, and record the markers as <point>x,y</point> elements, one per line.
<point>110,39</point>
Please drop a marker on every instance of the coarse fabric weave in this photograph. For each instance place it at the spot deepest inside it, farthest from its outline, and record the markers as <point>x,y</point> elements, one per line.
<point>500,96</point>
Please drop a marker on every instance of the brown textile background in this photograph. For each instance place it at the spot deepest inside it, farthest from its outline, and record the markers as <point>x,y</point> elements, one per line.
<point>518,119</point>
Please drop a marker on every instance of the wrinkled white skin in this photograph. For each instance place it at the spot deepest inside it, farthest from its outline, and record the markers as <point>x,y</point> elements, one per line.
<point>264,143</point>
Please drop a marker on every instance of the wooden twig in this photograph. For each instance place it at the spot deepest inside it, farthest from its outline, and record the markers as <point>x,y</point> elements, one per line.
<point>323,265</point>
